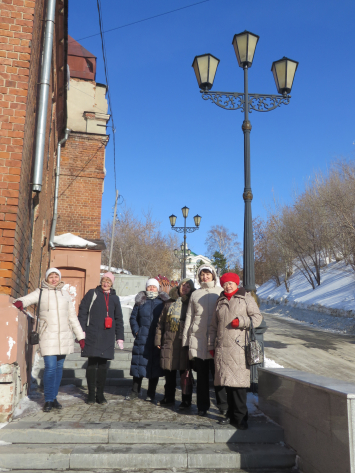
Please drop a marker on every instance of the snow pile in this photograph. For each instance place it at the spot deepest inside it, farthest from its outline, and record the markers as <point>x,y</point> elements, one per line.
<point>128,301</point>
<point>104,269</point>
<point>271,363</point>
<point>335,296</point>
<point>72,241</point>
<point>29,405</point>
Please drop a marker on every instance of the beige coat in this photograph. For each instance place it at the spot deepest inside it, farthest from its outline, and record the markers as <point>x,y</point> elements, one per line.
<point>229,343</point>
<point>198,318</point>
<point>57,319</point>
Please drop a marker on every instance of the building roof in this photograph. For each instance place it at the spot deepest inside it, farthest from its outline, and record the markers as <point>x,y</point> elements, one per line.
<point>76,49</point>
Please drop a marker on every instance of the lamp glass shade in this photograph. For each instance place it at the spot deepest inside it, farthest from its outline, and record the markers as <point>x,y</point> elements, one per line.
<point>190,260</point>
<point>175,252</point>
<point>284,72</point>
<point>172,219</point>
<point>188,252</point>
<point>244,46</point>
<point>182,247</point>
<point>197,220</point>
<point>205,67</point>
<point>185,211</point>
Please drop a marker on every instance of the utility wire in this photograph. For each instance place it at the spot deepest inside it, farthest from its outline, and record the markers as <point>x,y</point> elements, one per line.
<point>108,87</point>
<point>144,19</point>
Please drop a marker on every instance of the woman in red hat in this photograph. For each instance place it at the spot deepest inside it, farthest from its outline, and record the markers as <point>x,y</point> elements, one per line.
<point>226,342</point>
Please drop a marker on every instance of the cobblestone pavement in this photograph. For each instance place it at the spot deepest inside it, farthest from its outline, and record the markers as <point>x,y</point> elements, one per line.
<point>120,410</point>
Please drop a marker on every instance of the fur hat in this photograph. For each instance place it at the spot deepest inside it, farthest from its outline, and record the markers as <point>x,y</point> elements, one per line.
<point>189,282</point>
<point>53,270</point>
<point>230,277</point>
<point>152,282</point>
<point>108,275</point>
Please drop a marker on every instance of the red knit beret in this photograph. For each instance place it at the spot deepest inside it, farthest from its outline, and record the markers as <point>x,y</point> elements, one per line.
<point>230,277</point>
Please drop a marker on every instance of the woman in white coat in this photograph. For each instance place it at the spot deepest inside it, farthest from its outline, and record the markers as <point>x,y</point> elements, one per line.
<point>57,322</point>
<point>198,320</point>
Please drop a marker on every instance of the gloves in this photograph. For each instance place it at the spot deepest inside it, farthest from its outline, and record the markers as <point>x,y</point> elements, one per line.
<point>82,344</point>
<point>120,344</point>
<point>235,323</point>
<point>19,305</point>
<point>212,353</point>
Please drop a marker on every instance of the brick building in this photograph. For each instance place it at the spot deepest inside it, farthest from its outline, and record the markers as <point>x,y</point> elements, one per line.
<point>82,173</point>
<point>25,214</point>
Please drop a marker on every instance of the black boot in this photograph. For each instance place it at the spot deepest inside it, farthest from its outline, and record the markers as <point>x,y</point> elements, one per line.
<point>47,406</point>
<point>101,379</point>
<point>91,379</point>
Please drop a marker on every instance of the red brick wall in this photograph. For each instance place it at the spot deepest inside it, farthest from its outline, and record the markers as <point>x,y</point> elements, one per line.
<point>21,38</point>
<point>80,187</point>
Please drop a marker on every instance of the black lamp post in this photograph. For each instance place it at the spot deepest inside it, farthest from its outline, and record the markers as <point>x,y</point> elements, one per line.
<point>179,254</point>
<point>205,68</point>
<point>184,230</point>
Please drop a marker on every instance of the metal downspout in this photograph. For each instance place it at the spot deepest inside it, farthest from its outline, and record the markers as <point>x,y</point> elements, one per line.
<point>43,96</point>
<point>56,189</point>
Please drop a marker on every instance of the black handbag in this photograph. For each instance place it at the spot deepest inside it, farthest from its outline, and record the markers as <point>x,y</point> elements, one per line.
<point>33,338</point>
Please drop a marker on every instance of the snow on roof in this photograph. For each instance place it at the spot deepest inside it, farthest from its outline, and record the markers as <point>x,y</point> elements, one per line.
<point>104,268</point>
<point>72,241</point>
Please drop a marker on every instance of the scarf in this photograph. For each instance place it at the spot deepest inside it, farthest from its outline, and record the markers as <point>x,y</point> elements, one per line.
<point>230,294</point>
<point>174,314</point>
<point>151,294</point>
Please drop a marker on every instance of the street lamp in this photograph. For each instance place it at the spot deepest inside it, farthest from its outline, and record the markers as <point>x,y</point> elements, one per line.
<point>179,254</point>
<point>184,230</point>
<point>205,67</point>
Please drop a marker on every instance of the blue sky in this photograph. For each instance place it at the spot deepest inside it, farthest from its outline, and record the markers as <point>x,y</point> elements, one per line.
<point>175,149</point>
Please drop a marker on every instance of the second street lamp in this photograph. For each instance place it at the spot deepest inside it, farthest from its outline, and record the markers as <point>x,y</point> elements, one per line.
<point>284,70</point>
<point>184,230</point>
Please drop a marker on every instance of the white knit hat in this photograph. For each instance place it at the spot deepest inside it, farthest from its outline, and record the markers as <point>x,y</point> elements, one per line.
<point>53,270</point>
<point>152,282</point>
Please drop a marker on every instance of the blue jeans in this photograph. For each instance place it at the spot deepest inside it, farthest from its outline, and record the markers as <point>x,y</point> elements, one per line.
<point>53,371</point>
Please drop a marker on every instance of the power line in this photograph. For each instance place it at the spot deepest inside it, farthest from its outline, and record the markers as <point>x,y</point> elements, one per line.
<point>144,19</point>
<point>108,87</point>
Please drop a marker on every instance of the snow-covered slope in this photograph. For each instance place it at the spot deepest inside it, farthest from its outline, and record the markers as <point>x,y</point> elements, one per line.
<point>335,295</point>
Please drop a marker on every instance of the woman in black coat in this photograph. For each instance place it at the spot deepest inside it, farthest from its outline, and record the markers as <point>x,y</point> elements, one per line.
<point>145,355</point>
<point>100,316</point>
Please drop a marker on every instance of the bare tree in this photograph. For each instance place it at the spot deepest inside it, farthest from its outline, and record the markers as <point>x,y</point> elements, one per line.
<point>140,244</point>
<point>220,239</point>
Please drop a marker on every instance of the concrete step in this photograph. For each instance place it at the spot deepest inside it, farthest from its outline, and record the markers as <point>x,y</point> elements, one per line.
<point>172,470</point>
<point>82,364</point>
<point>260,431</point>
<point>125,354</point>
<point>127,381</point>
<point>103,456</point>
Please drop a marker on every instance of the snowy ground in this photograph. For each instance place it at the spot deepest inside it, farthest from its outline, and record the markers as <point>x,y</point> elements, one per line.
<point>330,306</point>
<point>335,295</point>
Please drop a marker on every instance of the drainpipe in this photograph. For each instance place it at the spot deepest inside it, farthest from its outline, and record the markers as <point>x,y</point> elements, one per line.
<point>56,189</point>
<point>43,96</point>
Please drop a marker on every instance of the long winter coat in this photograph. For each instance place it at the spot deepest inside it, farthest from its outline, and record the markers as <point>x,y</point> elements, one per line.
<point>199,316</point>
<point>99,341</point>
<point>229,343</point>
<point>172,355</point>
<point>144,319</point>
<point>57,319</point>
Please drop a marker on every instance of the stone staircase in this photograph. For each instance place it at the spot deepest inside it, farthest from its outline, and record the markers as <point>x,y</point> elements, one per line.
<point>144,446</point>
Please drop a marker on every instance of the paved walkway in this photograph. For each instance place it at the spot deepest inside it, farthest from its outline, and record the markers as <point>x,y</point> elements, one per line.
<point>119,410</point>
<point>298,346</point>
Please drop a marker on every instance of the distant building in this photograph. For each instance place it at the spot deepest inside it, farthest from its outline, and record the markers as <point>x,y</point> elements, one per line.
<point>191,268</point>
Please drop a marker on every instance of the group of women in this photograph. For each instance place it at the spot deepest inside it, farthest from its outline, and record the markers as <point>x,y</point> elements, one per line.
<point>204,329</point>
